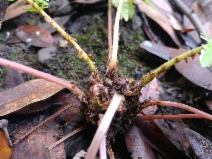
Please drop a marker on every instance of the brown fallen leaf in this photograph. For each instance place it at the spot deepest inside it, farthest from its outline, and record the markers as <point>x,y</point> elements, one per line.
<point>193,71</point>
<point>34,107</point>
<point>30,150</point>
<point>137,145</point>
<point>200,145</point>
<point>59,20</point>
<point>174,129</point>
<point>48,134</point>
<point>150,92</point>
<point>159,141</point>
<point>157,49</point>
<point>5,149</point>
<point>17,8</point>
<point>199,12</point>
<point>208,28</point>
<point>159,18</point>
<point>207,6</point>
<point>73,114</point>
<point>35,36</point>
<point>29,92</point>
<point>164,7</point>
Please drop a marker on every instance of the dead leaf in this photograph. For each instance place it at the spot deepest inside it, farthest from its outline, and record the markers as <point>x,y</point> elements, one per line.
<point>163,5</point>
<point>72,114</point>
<point>59,20</point>
<point>198,10</point>
<point>157,49</point>
<point>34,35</point>
<point>207,6</point>
<point>200,145</point>
<point>193,71</point>
<point>34,107</point>
<point>174,129</point>
<point>159,18</point>
<point>30,150</point>
<point>16,9</point>
<point>173,22</point>
<point>5,149</point>
<point>137,145</point>
<point>150,92</point>
<point>12,79</point>
<point>208,28</point>
<point>159,141</point>
<point>48,134</point>
<point>29,92</point>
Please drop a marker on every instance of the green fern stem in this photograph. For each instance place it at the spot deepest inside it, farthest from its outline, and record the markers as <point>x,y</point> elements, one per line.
<point>81,54</point>
<point>162,69</point>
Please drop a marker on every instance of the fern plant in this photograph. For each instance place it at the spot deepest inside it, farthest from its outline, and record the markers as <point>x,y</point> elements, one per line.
<point>98,97</point>
<point>41,3</point>
<point>206,53</point>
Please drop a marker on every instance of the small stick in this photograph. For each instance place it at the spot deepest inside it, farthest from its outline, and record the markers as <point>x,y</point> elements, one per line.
<point>66,137</point>
<point>42,123</point>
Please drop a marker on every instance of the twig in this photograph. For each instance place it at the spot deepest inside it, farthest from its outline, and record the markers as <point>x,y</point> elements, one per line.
<point>191,15</point>
<point>113,60</point>
<point>179,105</point>
<point>42,123</point>
<point>110,41</point>
<point>81,54</point>
<point>43,75</point>
<point>178,116</point>
<point>103,127</point>
<point>162,69</point>
<point>65,137</point>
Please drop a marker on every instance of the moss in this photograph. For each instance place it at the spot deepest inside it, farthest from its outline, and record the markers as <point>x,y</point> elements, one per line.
<point>3,71</point>
<point>67,65</point>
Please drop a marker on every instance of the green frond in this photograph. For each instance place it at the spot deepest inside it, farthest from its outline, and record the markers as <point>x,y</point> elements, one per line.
<point>206,53</point>
<point>41,3</point>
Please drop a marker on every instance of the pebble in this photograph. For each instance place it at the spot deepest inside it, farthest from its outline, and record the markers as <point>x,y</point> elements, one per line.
<point>46,53</point>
